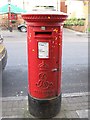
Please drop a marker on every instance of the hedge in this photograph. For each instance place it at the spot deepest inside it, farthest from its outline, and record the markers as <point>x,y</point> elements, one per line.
<point>74,22</point>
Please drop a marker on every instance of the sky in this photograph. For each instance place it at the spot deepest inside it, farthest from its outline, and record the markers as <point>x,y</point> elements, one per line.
<point>30,3</point>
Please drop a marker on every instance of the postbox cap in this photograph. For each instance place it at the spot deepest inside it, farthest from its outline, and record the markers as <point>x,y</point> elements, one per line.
<point>46,16</point>
<point>44,13</point>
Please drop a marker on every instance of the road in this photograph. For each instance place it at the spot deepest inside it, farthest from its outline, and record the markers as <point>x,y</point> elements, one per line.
<point>74,63</point>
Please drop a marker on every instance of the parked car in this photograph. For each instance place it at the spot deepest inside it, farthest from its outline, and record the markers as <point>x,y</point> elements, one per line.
<point>22,27</point>
<point>3,53</point>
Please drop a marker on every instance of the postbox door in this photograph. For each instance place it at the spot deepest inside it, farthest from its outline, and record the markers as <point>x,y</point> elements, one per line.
<point>44,68</point>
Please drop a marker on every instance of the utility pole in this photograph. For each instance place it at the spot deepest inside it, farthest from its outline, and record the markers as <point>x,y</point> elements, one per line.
<point>23,5</point>
<point>58,5</point>
<point>9,16</point>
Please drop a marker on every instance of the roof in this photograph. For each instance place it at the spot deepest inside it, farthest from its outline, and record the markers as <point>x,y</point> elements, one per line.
<point>14,9</point>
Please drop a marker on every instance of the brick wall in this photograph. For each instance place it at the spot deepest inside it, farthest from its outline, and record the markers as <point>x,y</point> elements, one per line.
<point>4,21</point>
<point>63,7</point>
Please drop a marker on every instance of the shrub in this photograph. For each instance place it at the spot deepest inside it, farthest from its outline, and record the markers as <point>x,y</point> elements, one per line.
<point>89,29</point>
<point>74,22</point>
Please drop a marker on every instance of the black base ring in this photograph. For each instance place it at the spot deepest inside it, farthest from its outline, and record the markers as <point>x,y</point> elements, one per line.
<point>44,108</point>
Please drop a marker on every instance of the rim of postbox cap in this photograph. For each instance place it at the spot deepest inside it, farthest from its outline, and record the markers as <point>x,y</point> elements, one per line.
<point>45,13</point>
<point>41,16</point>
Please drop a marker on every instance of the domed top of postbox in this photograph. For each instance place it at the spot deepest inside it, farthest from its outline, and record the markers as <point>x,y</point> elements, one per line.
<point>48,16</point>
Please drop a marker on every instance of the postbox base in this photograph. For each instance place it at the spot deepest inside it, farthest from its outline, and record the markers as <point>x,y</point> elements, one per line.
<point>44,108</point>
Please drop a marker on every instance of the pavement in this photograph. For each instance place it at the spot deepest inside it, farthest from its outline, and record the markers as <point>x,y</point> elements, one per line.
<point>82,34</point>
<point>73,105</point>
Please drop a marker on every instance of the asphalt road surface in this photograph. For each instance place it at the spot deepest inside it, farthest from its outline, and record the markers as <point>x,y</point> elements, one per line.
<point>74,63</point>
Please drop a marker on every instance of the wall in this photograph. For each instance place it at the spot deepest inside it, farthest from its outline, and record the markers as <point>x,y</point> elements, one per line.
<point>78,9</point>
<point>85,11</point>
<point>4,21</point>
<point>89,15</point>
<point>63,7</point>
<point>75,9</point>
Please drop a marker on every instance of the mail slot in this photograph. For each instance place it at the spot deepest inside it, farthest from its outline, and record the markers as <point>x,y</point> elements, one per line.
<point>43,33</point>
<point>44,41</point>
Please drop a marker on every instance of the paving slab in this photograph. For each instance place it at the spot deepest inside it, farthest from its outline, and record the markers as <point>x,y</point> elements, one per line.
<point>71,107</point>
<point>82,113</point>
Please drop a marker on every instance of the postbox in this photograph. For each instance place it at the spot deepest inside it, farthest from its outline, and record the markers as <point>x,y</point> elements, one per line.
<point>44,41</point>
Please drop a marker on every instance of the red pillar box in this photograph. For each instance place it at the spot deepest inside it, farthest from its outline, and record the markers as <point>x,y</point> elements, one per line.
<point>44,36</point>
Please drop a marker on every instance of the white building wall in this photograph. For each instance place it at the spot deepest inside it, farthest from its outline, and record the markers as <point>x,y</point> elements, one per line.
<point>75,9</point>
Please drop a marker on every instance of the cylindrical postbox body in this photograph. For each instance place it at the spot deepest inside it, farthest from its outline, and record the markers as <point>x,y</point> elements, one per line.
<point>44,36</point>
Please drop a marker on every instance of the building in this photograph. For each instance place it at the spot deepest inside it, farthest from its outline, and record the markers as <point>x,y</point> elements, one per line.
<point>63,6</point>
<point>78,9</point>
<point>10,14</point>
<point>89,16</point>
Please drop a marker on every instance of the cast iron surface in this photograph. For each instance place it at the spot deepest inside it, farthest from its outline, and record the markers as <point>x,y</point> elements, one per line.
<point>50,16</point>
<point>44,108</point>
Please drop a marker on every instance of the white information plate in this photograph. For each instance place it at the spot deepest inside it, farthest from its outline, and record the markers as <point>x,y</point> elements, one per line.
<point>43,50</point>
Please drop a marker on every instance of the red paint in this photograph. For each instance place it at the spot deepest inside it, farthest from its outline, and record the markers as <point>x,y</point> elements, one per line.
<point>44,74</point>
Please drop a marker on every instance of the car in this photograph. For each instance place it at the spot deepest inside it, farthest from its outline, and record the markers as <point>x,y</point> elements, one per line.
<point>3,53</point>
<point>22,27</point>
